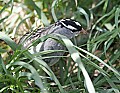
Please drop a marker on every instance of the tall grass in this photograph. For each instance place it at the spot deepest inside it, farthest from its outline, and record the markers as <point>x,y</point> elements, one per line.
<point>91,67</point>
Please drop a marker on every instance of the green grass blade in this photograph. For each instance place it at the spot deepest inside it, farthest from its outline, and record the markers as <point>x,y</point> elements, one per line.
<point>75,56</point>
<point>35,75</point>
<point>106,15</point>
<point>41,15</point>
<point>2,65</point>
<point>48,71</point>
<point>117,14</point>
<point>1,20</point>
<point>6,5</point>
<point>81,10</point>
<point>53,10</point>
<point>95,57</point>
<point>2,50</point>
<point>9,41</point>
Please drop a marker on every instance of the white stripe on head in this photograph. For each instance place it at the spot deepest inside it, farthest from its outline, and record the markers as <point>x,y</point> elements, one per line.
<point>69,26</point>
<point>62,19</point>
<point>77,23</point>
<point>62,23</point>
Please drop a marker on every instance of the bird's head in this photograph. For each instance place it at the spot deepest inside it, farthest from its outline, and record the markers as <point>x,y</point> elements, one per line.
<point>72,25</point>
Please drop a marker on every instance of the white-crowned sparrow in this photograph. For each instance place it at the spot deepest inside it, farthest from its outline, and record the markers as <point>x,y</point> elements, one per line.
<point>67,27</point>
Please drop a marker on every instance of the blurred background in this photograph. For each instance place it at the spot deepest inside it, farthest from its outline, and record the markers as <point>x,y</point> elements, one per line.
<point>101,18</point>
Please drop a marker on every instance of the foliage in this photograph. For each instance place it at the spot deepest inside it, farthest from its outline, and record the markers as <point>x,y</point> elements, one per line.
<point>94,65</point>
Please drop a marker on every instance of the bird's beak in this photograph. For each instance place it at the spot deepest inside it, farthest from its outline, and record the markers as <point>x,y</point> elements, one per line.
<point>83,31</point>
<point>82,37</point>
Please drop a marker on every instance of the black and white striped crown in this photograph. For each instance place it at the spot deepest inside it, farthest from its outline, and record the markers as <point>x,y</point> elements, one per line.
<point>70,24</point>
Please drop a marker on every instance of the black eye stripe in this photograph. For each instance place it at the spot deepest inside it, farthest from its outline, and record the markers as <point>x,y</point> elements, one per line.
<point>71,24</point>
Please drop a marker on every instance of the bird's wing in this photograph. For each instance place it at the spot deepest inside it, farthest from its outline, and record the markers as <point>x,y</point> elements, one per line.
<point>51,44</point>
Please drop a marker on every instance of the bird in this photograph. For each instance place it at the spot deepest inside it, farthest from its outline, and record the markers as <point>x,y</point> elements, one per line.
<point>67,27</point>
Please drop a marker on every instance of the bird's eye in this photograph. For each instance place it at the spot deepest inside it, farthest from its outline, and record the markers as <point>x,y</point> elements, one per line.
<point>71,24</point>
